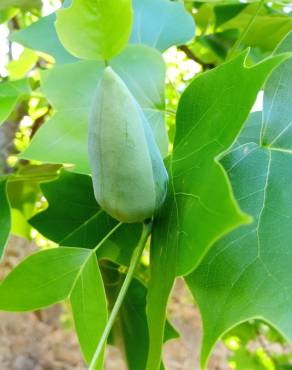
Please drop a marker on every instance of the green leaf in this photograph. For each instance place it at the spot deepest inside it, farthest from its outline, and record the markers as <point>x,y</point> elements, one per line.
<point>23,196</point>
<point>19,68</point>
<point>156,24</point>
<point>70,89</point>
<point>246,274</point>
<point>5,217</point>
<point>42,36</point>
<point>42,279</point>
<point>24,4</point>
<point>133,323</point>
<point>10,94</point>
<point>88,302</point>
<point>277,123</point>
<point>225,12</point>
<point>7,14</point>
<point>74,219</point>
<point>143,70</point>
<point>95,30</point>
<point>267,29</point>
<point>201,207</point>
<point>52,275</point>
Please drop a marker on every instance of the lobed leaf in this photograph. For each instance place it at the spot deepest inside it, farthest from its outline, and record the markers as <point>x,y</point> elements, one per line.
<point>74,219</point>
<point>95,30</point>
<point>70,89</point>
<point>201,207</point>
<point>42,36</point>
<point>155,24</point>
<point>246,274</point>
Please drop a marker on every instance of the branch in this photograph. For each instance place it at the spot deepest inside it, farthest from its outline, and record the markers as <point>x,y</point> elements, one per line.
<point>192,56</point>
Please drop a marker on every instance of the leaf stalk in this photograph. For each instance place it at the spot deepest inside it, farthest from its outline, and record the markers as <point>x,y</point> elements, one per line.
<point>136,256</point>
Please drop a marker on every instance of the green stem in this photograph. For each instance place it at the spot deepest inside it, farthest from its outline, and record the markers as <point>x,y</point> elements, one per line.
<point>136,256</point>
<point>246,29</point>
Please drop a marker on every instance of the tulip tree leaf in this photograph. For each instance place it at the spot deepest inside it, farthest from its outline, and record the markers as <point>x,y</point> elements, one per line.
<point>10,94</point>
<point>42,36</point>
<point>53,271</point>
<point>70,88</point>
<point>61,273</point>
<point>201,206</point>
<point>74,219</point>
<point>266,31</point>
<point>155,24</point>
<point>5,217</point>
<point>88,302</point>
<point>132,320</point>
<point>143,70</point>
<point>247,273</point>
<point>95,30</point>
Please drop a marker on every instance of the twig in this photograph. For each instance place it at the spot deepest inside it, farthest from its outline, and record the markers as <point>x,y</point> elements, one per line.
<point>192,56</point>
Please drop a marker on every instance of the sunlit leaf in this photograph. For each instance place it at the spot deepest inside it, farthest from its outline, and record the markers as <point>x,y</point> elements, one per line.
<point>95,30</point>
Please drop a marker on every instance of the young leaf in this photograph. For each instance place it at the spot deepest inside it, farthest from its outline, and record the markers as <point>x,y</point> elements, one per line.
<point>74,219</point>
<point>155,24</point>
<point>5,217</point>
<point>10,93</point>
<point>201,207</point>
<point>42,36</point>
<point>44,278</point>
<point>246,274</point>
<point>95,30</point>
<point>88,302</point>
<point>70,89</point>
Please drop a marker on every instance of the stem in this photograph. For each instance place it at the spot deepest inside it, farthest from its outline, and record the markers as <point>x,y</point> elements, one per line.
<point>246,29</point>
<point>133,264</point>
